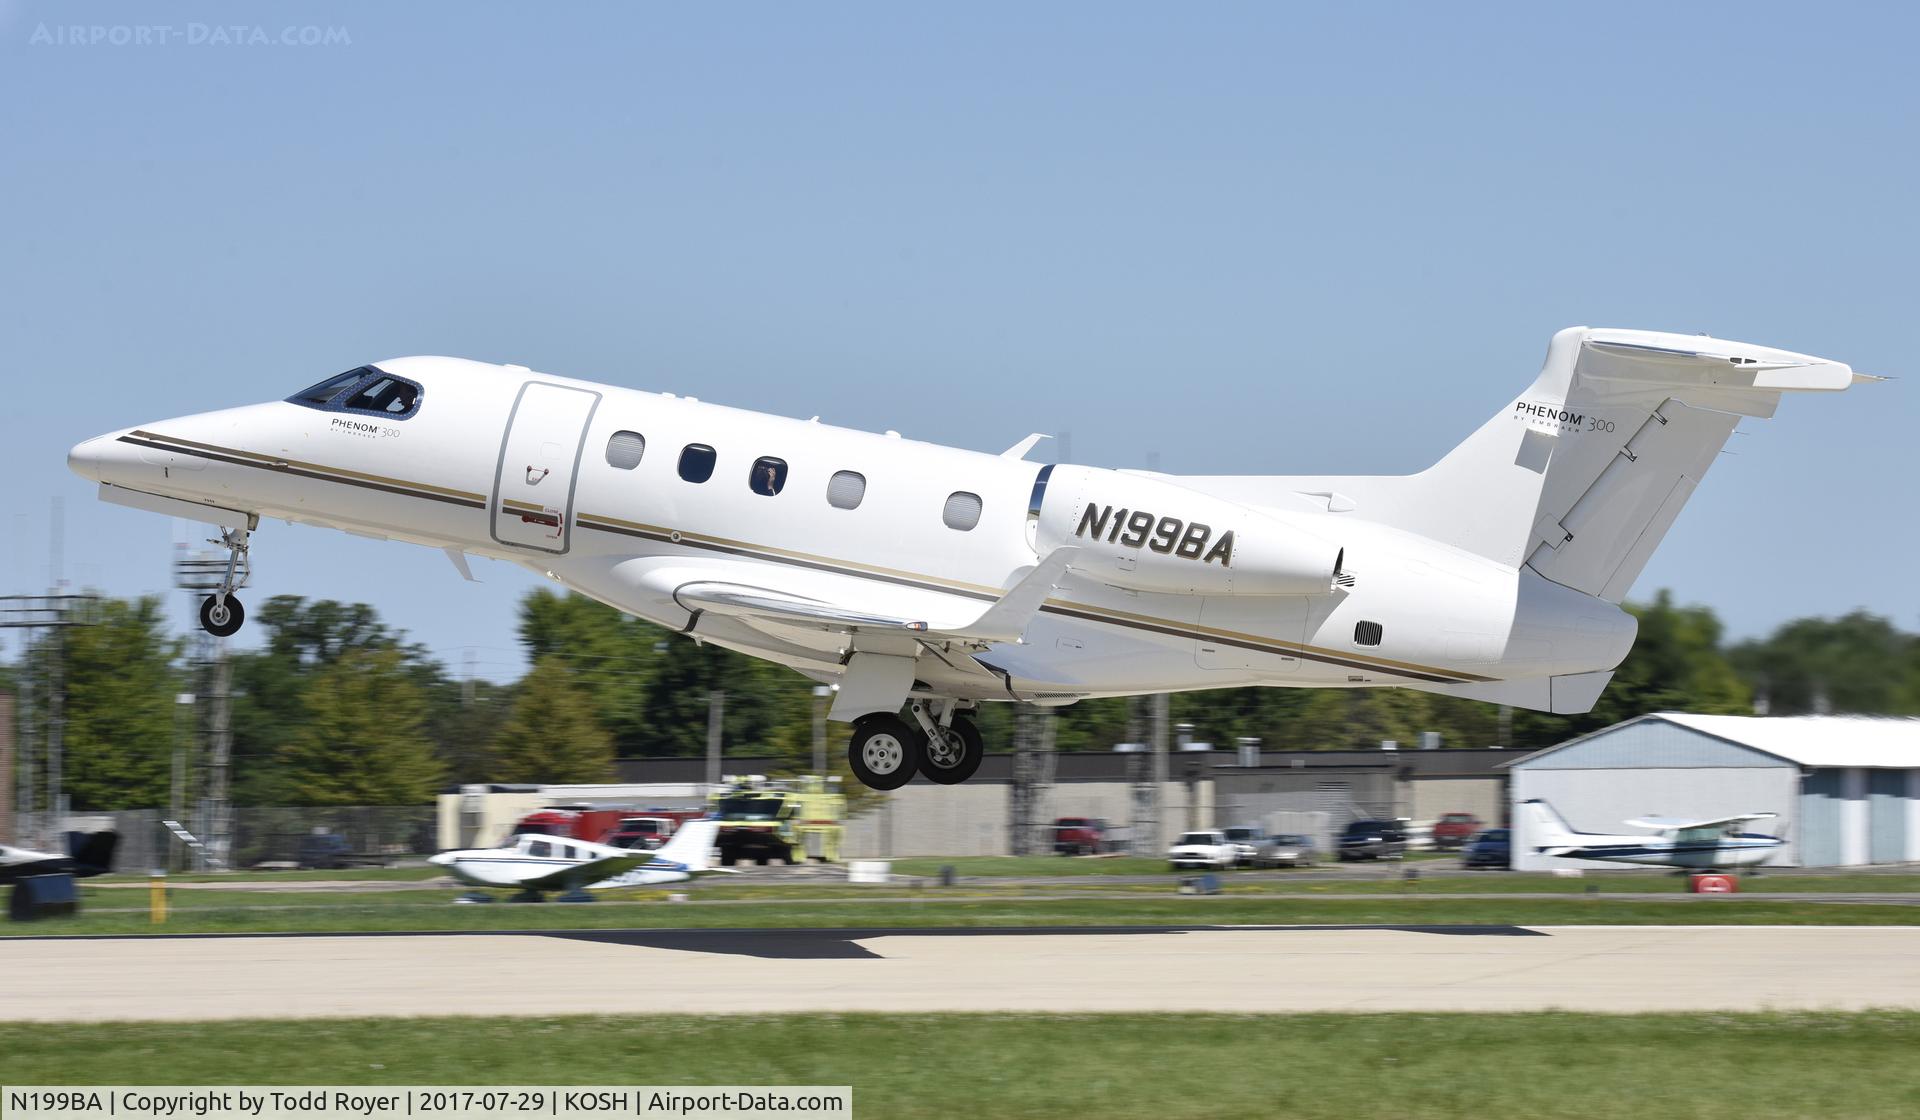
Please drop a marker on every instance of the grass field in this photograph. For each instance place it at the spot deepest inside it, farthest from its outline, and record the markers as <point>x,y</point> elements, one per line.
<point>223,912</point>
<point>1742,1067</point>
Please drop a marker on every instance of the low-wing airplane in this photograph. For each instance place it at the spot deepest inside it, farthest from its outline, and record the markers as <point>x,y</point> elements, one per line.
<point>88,854</point>
<point>534,863</point>
<point>1680,842</point>
<point>927,580</point>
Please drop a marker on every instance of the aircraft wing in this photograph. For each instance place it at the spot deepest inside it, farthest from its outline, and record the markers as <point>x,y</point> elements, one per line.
<point>1678,824</point>
<point>946,616</point>
<point>590,871</point>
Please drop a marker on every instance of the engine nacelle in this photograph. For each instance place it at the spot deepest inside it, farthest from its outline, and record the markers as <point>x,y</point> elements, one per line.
<point>1146,534</point>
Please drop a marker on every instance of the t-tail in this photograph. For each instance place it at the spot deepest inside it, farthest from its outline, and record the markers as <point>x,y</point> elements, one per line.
<point>1580,476</point>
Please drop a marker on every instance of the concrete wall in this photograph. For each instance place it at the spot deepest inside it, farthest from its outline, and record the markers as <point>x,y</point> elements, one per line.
<point>1485,798</point>
<point>976,819</point>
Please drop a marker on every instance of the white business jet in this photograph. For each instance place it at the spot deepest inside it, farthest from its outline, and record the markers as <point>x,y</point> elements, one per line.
<point>927,580</point>
<point>533,863</point>
<point>1704,844</point>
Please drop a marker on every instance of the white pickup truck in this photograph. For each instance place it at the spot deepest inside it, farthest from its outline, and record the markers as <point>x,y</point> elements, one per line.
<point>1209,849</point>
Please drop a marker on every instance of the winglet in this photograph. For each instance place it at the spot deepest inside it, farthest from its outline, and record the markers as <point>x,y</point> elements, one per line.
<point>1019,450</point>
<point>1006,620</point>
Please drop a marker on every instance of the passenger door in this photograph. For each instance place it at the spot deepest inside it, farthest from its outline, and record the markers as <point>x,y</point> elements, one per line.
<point>539,464</point>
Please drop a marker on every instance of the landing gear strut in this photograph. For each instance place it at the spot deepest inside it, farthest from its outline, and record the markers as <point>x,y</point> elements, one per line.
<point>953,748</point>
<point>221,613</point>
<point>886,750</point>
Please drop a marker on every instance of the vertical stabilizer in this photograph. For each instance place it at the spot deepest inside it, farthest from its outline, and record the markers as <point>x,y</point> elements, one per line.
<point>691,845</point>
<point>1581,475</point>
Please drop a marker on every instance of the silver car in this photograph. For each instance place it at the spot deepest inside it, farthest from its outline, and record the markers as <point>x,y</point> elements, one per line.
<point>1286,849</point>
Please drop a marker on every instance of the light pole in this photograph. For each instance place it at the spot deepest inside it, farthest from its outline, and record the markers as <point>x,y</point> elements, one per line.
<point>820,694</point>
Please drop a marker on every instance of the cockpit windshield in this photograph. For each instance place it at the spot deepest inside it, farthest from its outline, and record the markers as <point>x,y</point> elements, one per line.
<point>332,387</point>
<point>368,389</point>
<point>388,395</point>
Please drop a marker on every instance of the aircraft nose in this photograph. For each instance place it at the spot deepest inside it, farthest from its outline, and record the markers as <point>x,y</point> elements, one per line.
<point>90,458</point>
<point>442,859</point>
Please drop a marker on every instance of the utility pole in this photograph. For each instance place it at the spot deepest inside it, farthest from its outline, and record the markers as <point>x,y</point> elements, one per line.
<point>1161,717</point>
<point>820,694</point>
<point>716,712</point>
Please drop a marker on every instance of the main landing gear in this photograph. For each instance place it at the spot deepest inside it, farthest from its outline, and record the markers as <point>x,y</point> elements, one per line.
<point>221,613</point>
<point>886,750</point>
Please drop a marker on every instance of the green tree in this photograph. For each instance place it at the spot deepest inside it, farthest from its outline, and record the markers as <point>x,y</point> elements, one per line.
<point>552,733</point>
<point>120,685</point>
<point>1859,663</point>
<point>362,739</point>
<point>304,638</point>
<point>649,687</point>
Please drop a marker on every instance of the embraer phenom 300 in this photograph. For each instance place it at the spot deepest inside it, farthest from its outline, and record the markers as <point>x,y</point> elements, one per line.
<point>925,580</point>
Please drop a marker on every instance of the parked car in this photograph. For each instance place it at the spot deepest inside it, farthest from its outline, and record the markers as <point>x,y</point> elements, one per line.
<point>1492,848</point>
<point>1453,830</point>
<point>1081,836</point>
<point>1376,839</point>
<point>1208,849</point>
<point>325,851</point>
<point>1286,849</point>
<point>1246,840</point>
<point>645,833</point>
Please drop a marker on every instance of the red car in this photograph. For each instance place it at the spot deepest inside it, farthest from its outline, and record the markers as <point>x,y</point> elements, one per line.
<point>1081,836</point>
<point>1453,830</point>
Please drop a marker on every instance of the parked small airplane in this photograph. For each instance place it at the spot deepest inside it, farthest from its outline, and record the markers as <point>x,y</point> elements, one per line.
<point>929,580</point>
<point>535,863</point>
<point>88,854</point>
<point>1703,844</point>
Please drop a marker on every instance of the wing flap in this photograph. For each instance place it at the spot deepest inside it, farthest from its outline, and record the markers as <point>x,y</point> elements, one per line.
<point>948,615</point>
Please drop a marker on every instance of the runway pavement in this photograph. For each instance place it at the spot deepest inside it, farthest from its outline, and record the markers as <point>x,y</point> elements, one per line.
<point>1478,968</point>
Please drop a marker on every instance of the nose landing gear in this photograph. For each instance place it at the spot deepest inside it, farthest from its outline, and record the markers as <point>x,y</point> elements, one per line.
<point>221,613</point>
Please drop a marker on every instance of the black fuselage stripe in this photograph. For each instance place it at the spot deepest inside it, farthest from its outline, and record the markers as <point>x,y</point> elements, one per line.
<point>589,522</point>
<point>303,472</point>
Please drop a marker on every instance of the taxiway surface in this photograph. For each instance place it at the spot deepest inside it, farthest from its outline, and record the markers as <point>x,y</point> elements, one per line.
<point>1243,969</point>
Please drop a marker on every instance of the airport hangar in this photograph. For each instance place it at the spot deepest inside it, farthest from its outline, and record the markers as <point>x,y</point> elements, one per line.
<point>1846,788</point>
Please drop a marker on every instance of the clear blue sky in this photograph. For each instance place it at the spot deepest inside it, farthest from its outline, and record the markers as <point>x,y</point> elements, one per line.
<point>1274,238</point>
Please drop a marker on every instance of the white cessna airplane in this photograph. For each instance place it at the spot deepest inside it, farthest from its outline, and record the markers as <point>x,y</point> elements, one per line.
<point>537,862</point>
<point>934,579</point>
<point>1705,844</point>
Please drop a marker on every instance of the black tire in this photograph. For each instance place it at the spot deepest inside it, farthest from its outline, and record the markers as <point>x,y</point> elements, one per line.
<point>959,760</point>
<point>760,861</point>
<point>884,752</point>
<point>222,621</point>
<point>728,859</point>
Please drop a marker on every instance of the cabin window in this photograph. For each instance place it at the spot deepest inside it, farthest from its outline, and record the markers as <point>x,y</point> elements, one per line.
<point>769,475</point>
<point>1366,633</point>
<point>696,462</point>
<point>540,848</point>
<point>962,511</point>
<point>624,449</point>
<point>385,396</point>
<point>846,489</point>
